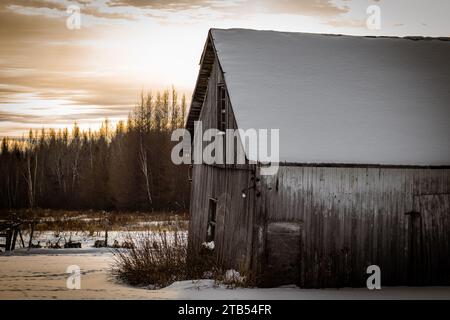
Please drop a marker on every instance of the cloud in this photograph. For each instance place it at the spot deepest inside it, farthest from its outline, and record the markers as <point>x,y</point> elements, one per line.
<point>347,23</point>
<point>163,4</point>
<point>303,7</point>
<point>17,117</point>
<point>319,8</point>
<point>35,7</point>
<point>34,4</point>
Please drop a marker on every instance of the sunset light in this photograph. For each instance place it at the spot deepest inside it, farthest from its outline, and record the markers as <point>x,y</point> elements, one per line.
<point>51,75</point>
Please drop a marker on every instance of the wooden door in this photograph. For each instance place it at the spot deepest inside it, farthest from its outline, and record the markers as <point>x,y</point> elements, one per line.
<point>283,241</point>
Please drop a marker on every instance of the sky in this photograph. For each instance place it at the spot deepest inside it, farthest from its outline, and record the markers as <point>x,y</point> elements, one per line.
<point>63,61</point>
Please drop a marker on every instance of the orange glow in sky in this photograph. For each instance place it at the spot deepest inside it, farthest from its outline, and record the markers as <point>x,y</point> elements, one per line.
<point>52,76</point>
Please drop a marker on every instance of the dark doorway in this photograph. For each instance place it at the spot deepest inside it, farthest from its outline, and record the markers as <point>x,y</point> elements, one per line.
<point>212,214</point>
<point>283,242</point>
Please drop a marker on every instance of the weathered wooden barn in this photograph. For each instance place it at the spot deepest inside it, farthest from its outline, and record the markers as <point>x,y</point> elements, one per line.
<point>364,176</point>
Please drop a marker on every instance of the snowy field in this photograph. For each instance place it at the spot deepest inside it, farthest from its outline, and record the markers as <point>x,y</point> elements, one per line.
<point>47,239</point>
<point>41,274</point>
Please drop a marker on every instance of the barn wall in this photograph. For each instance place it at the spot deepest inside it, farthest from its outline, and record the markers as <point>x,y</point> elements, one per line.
<point>351,218</point>
<point>224,183</point>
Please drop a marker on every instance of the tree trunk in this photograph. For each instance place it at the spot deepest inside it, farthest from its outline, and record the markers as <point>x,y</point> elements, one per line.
<point>29,180</point>
<point>144,168</point>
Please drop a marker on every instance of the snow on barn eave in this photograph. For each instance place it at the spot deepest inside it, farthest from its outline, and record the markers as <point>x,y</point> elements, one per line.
<point>198,96</point>
<point>341,100</point>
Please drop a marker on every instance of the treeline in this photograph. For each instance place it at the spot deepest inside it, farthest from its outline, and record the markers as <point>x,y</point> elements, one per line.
<point>125,168</point>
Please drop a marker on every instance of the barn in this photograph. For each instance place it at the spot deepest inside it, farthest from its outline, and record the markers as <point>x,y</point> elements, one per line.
<point>364,158</point>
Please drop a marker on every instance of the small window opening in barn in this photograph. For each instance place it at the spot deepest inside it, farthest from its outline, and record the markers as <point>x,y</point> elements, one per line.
<point>190,169</point>
<point>211,230</point>
<point>221,108</point>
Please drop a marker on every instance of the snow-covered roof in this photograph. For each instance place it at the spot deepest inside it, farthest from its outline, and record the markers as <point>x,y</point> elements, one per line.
<point>341,99</point>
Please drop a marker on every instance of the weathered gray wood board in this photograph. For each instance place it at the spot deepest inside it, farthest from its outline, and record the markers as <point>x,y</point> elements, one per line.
<point>354,217</point>
<point>224,183</point>
<point>430,256</point>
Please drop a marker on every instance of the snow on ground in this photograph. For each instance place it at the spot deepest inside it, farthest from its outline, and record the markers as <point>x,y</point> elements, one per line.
<point>87,240</point>
<point>41,274</point>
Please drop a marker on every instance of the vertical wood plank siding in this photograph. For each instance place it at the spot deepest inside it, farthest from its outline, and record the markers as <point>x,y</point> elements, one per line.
<point>355,217</point>
<point>234,223</point>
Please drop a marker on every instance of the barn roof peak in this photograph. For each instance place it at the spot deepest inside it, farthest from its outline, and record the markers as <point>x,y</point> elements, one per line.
<point>336,98</point>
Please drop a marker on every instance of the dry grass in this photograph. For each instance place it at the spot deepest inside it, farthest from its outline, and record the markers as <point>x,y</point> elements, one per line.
<point>155,260</point>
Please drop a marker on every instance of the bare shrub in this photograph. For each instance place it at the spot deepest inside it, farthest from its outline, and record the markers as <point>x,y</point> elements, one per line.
<point>156,259</point>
